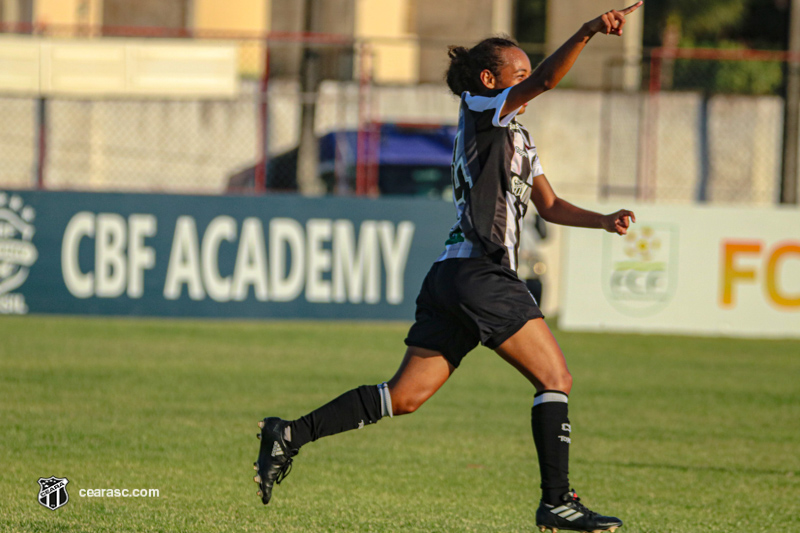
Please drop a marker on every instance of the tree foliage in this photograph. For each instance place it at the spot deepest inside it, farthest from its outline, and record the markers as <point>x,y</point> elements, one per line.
<point>760,22</point>
<point>727,24</point>
<point>728,76</point>
<point>707,17</point>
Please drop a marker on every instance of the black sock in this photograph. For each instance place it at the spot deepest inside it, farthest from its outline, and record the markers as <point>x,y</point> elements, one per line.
<point>352,410</point>
<point>551,431</point>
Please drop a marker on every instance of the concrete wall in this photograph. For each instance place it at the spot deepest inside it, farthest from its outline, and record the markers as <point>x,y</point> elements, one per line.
<point>17,138</point>
<point>601,66</point>
<point>585,138</point>
<point>463,23</point>
<point>150,146</point>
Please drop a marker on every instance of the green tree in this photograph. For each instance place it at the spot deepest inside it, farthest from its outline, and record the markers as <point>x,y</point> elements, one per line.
<point>728,76</point>
<point>725,24</point>
<point>696,19</point>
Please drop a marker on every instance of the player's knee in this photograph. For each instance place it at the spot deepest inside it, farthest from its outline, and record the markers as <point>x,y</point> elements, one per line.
<point>561,381</point>
<point>566,383</point>
<point>403,404</point>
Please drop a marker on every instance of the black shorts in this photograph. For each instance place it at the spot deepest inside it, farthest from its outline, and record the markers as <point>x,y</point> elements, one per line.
<point>466,301</point>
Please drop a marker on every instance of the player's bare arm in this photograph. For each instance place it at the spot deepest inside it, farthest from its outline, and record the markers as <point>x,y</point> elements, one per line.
<point>558,211</point>
<point>550,72</point>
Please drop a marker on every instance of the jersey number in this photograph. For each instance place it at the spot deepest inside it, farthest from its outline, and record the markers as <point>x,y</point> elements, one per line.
<point>458,173</point>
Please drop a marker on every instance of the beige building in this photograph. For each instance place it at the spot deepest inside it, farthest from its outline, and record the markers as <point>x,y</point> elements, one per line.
<point>406,39</point>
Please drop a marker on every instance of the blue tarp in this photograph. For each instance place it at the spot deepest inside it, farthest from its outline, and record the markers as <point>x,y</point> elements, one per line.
<point>399,145</point>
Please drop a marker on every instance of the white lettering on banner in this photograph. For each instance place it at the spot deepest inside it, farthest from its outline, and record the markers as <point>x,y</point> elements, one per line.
<point>184,262</point>
<point>329,260</point>
<point>356,274</point>
<point>319,260</point>
<point>120,255</point>
<point>395,256</point>
<point>251,263</point>
<point>221,228</point>
<point>109,257</point>
<point>775,280</point>
<point>285,232</point>
<point>79,284</point>
<point>326,259</point>
<point>140,257</point>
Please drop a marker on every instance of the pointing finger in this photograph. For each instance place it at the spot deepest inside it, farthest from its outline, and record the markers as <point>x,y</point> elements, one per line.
<point>631,9</point>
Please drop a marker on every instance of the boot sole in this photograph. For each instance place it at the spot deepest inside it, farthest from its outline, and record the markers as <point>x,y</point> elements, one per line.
<point>552,529</point>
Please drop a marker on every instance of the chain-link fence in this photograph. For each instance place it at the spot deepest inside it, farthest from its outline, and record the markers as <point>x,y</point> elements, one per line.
<point>289,89</point>
<point>96,140</point>
<point>324,114</point>
<point>707,126</point>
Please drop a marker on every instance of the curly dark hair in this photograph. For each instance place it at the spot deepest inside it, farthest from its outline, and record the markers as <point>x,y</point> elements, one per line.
<point>466,65</point>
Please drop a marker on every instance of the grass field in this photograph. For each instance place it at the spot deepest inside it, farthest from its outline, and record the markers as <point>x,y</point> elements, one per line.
<point>671,434</point>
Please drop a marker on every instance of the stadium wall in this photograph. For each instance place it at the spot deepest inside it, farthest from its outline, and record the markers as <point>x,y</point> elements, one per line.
<point>202,256</point>
<point>589,141</point>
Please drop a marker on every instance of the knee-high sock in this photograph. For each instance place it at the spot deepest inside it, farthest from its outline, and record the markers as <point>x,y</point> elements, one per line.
<point>352,410</point>
<point>551,431</point>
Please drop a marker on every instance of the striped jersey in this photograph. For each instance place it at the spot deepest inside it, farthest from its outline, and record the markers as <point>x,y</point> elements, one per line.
<point>494,163</point>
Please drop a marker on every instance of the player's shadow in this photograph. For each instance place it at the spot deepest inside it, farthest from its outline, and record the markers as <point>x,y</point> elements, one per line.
<point>705,468</point>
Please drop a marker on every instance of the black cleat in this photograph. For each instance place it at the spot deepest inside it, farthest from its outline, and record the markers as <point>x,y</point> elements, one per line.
<point>572,515</point>
<point>274,458</point>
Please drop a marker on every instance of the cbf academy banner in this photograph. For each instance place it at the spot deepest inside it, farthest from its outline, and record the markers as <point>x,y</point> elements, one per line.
<point>169,255</point>
<point>704,270</point>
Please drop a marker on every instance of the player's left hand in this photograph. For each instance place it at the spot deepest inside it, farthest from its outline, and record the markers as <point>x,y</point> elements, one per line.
<point>611,23</point>
<point>618,222</point>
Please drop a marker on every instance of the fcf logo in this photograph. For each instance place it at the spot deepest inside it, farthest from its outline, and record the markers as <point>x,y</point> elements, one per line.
<point>640,269</point>
<point>53,492</point>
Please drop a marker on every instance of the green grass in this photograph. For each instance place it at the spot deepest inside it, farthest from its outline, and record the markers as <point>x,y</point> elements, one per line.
<point>671,434</point>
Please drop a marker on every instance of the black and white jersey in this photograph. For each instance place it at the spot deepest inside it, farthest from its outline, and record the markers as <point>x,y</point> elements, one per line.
<point>494,163</point>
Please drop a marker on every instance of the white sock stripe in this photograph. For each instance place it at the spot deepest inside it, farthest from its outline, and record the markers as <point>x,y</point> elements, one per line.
<point>386,400</point>
<point>550,397</point>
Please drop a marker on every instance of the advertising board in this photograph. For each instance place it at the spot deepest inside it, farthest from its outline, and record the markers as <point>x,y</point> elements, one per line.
<point>699,270</point>
<point>210,256</point>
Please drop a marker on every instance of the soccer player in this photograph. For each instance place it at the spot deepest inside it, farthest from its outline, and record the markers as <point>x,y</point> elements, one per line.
<point>472,294</point>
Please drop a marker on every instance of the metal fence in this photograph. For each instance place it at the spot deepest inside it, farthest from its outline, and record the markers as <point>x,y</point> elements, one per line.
<point>705,126</point>
<point>309,116</point>
<point>252,142</point>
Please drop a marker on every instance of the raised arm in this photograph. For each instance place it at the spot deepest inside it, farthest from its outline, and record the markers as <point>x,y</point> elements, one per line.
<point>547,75</point>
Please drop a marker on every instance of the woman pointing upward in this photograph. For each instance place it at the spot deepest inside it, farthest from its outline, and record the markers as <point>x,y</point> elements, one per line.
<point>472,294</point>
